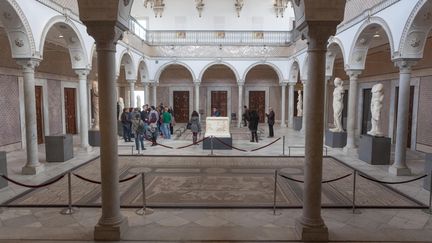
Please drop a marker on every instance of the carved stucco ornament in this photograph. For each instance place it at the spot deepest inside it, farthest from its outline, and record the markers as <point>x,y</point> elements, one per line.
<point>19,42</point>
<point>415,42</point>
<point>77,58</point>
<point>7,16</point>
<point>126,2</point>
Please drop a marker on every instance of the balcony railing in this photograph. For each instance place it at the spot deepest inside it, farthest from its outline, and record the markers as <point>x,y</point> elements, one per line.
<point>190,37</point>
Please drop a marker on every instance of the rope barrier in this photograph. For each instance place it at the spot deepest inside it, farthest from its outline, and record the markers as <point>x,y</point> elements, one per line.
<point>33,186</point>
<point>165,146</point>
<point>98,182</point>
<point>322,182</point>
<point>199,141</point>
<point>222,142</point>
<point>391,182</point>
<point>265,146</point>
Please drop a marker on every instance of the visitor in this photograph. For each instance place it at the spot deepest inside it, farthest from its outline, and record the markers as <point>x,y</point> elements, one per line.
<point>216,112</point>
<point>153,131</point>
<point>270,121</point>
<point>138,128</point>
<point>172,124</point>
<point>245,116</point>
<point>166,121</point>
<point>253,125</point>
<point>124,118</point>
<point>195,126</point>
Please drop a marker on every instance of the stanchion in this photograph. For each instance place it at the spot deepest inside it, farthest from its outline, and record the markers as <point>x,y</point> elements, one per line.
<point>132,150</point>
<point>354,210</point>
<point>283,145</point>
<point>144,210</point>
<point>429,210</point>
<point>274,193</point>
<point>69,210</point>
<point>211,145</point>
<point>289,151</point>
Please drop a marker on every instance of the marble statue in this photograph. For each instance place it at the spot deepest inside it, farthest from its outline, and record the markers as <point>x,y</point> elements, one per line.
<point>121,107</point>
<point>376,107</point>
<point>338,95</point>
<point>95,105</point>
<point>299,103</point>
<point>138,101</point>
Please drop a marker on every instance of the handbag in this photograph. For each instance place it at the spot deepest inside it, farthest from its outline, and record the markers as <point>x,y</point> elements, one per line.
<point>188,126</point>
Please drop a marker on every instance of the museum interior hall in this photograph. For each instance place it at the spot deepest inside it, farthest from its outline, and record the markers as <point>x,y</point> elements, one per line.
<point>215,121</point>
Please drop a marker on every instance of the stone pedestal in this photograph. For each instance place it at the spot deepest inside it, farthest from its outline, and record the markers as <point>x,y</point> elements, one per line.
<point>3,169</point>
<point>428,171</point>
<point>59,148</point>
<point>94,138</point>
<point>298,122</point>
<point>111,232</point>
<point>217,144</point>
<point>335,139</point>
<point>374,150</point>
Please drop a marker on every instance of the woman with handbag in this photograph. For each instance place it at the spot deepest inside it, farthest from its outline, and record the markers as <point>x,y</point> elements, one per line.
<point>195,126</point>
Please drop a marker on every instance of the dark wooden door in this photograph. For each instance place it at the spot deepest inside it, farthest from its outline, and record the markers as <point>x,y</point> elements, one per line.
<point>181,106</point>
<point>410,115</point>
<point>366,113</point>
<point>257,102</point>
<point>70,110</point>
<point>219,100</point>
<point>39,114</point>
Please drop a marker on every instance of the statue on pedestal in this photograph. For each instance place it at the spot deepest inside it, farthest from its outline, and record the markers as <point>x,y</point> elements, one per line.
<point>338,95</point>
<point>121,105</point>
<point>138,101</point>
<point>95,105</point>
<point>376,107</point>
<point>299,103</point>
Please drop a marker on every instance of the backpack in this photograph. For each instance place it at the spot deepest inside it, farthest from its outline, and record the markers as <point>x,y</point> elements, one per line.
<point>153,117</point>
<point>141,128</point>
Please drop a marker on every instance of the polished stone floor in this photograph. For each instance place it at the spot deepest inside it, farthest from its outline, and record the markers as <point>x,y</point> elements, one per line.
<point>221,225</point>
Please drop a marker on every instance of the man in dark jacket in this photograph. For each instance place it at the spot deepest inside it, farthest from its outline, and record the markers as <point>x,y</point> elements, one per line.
<point>270,121</point>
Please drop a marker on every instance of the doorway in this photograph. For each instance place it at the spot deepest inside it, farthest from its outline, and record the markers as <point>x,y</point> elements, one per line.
<point>39,114</point>
<point>181,106</point>
<point>257,102</point>
<point>219,100</point>
<point>70,110</point>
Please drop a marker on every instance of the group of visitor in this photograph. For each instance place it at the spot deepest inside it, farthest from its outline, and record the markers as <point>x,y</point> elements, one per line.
<point>148,123</point>
<point>251,119</point>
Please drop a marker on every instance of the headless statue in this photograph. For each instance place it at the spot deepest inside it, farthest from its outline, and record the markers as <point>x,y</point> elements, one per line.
<point>95,104</point>
<point>376,107</point>
<point>299,103</point>
<point>338,95</point>
<point>121,107</point>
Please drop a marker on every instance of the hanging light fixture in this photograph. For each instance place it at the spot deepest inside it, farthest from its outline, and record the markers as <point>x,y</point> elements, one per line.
<point>199,6</point>
<point>157,5</point>
<point>280,6</point>
<point>238,6</point>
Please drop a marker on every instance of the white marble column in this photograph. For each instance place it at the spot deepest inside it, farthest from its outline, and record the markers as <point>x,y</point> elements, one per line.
<point>399,167</point>
<point>283,106</point>
<point>291,104</point>
<point>305,107</point>
<point>111,223</point>
<point>131,93</point>
<point>197,93</point>
<point>154,85</point>
<point>352,109</point>
<point>84,126</point>
<point>32,165</point>
<point>146,93</point>
<point>240,84</point>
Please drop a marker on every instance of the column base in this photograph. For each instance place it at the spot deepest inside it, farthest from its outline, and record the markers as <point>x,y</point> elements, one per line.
<point>111,232</point>
<point>32,170</point>
<point>311,233</point>
<point>86,149</point>
<point>404,171</point>
<point>283,125</point>
<point>350,149</point>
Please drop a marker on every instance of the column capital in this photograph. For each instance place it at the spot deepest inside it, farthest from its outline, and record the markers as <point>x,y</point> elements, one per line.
<point>28,64</point>
<point>317,34</point>
<point>283,84</point>
<point>82,73</point>
<point>105,33</point>
<point>197,82</point>
<point>292,84</point>
<point>240,82</point>
<point>405,65</point>
<point>131,81</point>
<point>353,73</point>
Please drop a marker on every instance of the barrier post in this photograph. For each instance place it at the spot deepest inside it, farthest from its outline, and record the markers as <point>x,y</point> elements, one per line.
<point>354,210</point>
<point>289,151</point>
<point>144,210</point>
<point>211,145</point>
<point>283,145</point>
<point>132,150</point>
<point>274,192</point>
<point>69,210</point>
<point>429,210</point>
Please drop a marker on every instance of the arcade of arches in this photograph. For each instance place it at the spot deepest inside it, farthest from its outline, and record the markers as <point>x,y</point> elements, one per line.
<point>65,66</point>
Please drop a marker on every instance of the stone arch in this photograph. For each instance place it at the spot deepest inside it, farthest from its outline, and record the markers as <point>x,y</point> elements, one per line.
<point>18,30</point>
<point>294,71</point>
<point>416,30</point>
<point>161,69</point>
<point>362,41</point>
<point>143,72</point>
<point>72,37</point>
<point>271,65</point>
<point>236,74</point>
<point>334,48</point>
<point>127,60</point>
